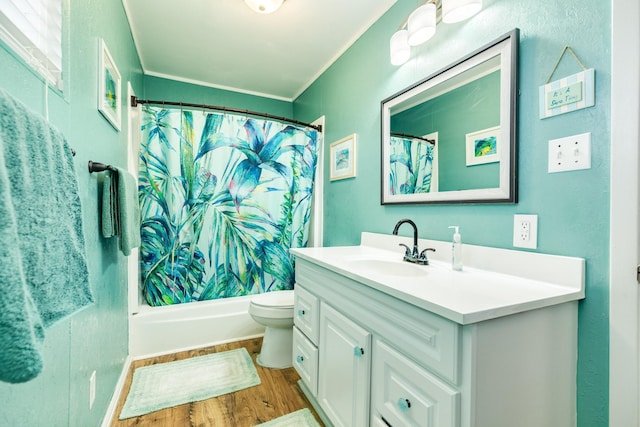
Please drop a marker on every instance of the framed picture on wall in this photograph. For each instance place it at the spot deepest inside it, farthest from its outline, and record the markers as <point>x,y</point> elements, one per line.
<point>343,158</point>
<point>108,86</point>
<point>483,146</point>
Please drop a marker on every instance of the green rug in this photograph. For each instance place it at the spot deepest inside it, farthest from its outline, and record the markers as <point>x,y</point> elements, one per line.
<point>170,384</point>
<point>301,418</point>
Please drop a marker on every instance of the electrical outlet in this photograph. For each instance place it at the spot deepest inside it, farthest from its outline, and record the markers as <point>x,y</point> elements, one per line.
<point>92,389</point>
<point>525,231</point>
<point>570,153</point>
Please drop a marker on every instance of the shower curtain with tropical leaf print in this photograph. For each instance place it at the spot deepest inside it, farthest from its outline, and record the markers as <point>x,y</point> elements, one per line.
<point>222,200</point>
<point>411,168</point>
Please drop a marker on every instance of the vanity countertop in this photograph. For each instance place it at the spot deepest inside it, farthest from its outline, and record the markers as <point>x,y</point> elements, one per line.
<point>510,281</point>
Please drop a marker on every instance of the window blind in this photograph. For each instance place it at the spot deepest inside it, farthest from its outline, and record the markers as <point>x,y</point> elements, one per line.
<point>33,29</point>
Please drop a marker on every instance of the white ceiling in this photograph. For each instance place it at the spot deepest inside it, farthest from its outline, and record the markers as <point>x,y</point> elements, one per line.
<point>224,44</point>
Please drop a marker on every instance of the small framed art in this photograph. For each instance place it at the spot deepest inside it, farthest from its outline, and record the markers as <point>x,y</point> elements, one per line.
<point>343,158</point>
<point>108,86</point>
<point>483,146</point>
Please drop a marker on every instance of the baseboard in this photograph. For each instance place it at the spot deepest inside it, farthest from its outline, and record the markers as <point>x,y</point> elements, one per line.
<point>113,405</point>
<point>195,347</point>
<point>314,403</point>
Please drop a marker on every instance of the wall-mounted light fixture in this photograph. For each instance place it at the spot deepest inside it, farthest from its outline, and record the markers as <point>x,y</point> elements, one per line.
<point>421,24</point>
<point>264,6</point>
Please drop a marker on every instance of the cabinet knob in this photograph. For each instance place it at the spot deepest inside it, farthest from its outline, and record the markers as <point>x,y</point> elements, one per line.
<point>299,359</point>
<point>404,404</point>
<point>358,351</point>
<point>301,312</point>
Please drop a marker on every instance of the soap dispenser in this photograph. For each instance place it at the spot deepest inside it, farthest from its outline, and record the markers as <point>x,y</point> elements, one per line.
<point>456,249</point>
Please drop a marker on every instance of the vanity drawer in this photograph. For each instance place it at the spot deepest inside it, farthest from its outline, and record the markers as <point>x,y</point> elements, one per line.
<point>305,360</point>
<point>306,314</point>
<point>404,394</point>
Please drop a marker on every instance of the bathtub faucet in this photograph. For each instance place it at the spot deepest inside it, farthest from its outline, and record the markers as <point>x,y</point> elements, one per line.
<point>413,255</point>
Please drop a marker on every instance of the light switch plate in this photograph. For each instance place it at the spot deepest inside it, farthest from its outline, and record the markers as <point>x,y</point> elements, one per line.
<point>525,231</point>
<point>570,153</point>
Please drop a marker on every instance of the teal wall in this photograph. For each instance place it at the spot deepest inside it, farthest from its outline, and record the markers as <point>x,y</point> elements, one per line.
<point>156,88</point>
<point>477,107</point>
<point>573,207</point>
<point>96,338</point>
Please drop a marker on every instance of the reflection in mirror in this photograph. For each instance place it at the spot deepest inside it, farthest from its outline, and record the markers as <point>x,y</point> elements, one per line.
<point>413,163</point>
<point>451,137</point>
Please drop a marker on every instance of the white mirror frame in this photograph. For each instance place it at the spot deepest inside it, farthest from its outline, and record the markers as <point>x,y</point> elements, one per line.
<point>506,47</point>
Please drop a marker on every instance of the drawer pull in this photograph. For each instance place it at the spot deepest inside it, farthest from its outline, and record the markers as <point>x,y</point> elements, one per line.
<point>404,404</point>
<point>301,313</point>
<point>299,359</point>
<point>385,421</point>
<point>358,351</point>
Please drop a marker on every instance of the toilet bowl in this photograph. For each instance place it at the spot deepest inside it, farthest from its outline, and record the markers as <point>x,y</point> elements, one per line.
<point>274,310</point>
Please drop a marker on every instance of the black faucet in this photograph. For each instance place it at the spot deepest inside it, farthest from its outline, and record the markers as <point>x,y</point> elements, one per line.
<point>415,236</point>
<point>413,255</point>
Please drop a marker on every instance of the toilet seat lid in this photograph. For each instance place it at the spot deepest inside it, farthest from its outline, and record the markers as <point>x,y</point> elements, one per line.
<point>275,299</point>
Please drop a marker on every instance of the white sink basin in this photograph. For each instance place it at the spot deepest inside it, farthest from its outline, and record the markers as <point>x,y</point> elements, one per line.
<point>389,267</point>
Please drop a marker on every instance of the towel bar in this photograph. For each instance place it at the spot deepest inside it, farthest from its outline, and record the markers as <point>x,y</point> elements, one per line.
<point>100,167</point>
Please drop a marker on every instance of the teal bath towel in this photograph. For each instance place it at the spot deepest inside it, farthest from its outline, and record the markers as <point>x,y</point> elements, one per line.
<point>21,330</point>
<point>120,210</point>
<point>44,276</point>
<point>110,217</point>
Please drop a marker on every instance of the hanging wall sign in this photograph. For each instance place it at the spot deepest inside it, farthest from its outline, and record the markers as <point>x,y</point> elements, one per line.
<point>568,94</point>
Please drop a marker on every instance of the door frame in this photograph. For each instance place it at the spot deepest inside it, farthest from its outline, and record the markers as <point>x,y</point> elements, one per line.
<point>133,152</point>
<point>624,355</point>
<point>316,226</point>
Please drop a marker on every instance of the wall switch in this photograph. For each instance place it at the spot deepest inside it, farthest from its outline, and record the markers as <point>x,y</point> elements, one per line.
<point>570,153</point>
<point>525,231</point>
<point>92,389</point>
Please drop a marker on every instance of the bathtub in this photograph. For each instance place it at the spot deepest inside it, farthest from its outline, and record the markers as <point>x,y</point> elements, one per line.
<point>169,329</point>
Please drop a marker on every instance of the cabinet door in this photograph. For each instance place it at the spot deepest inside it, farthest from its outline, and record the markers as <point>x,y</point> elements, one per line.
<point>344,369</point>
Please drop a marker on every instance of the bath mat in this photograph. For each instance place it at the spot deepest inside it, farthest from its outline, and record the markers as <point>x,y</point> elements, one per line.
<point>301,418</point>
<point>170,384</point>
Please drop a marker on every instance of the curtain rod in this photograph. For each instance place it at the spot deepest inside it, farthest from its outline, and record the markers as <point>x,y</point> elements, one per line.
<point>135,101</point>
<point>406,135</point>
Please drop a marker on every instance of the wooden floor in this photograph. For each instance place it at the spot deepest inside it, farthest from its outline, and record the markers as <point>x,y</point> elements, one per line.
<point>277,395</point>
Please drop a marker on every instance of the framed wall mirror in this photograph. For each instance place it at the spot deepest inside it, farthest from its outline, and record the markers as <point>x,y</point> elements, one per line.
<point>451,138</point>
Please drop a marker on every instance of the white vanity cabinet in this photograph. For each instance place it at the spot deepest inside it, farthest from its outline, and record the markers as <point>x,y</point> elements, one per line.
<point>383,361</point>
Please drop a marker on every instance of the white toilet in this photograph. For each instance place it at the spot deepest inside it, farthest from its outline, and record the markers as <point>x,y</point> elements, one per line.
<point>275,311</point>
